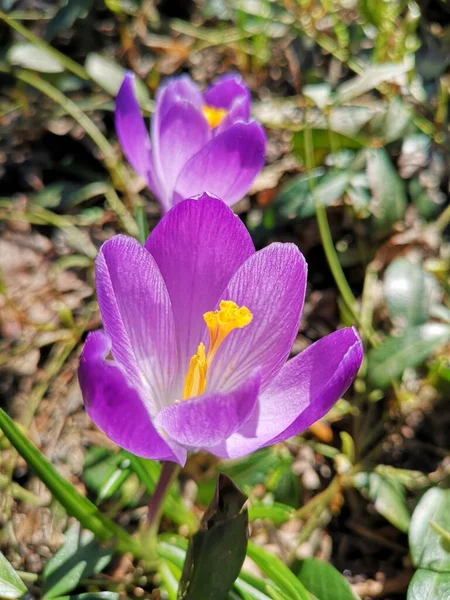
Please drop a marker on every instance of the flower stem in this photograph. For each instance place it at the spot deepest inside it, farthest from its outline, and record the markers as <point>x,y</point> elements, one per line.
<point>330,250</point>
<point>168,475</point>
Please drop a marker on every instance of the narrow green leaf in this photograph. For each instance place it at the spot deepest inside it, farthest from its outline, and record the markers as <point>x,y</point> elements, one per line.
<point>91,596</point>
<point>324,142</point>
<point>148,472</point>
<point>428,548</point>
<point>78,558</point>
<point>324,581</point>
<point>278,572</point>
<point>11,586</point>
<point>277,513</point>
<point>388,361</point>
<point>75,504</point>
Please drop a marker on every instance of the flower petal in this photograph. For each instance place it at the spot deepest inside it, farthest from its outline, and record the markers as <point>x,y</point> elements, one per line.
<point>210,419</point>
<point>226,166</point>
<point>132,133</point>
<point>177,90</point>
<point>197,246</point>
<point>304,391</point>
<point>226,90</point>
<point>182,133</point>
<point>115,406</point>
<point>239,111</point>
<point>137,316</point>
<point>272,284</point>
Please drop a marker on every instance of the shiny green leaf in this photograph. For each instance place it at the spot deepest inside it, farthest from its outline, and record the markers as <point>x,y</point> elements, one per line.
<point>409,292</point>
<point>397,353</point>
<point>429,585</point>
<point>428,548</point>
<point>26,54</point>
<point>11,586</point>
<point>217,551</point>
<point>324,581</point>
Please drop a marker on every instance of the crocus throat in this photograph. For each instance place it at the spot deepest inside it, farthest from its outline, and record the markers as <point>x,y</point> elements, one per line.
<point>220,324</point>
<point>213,115</point>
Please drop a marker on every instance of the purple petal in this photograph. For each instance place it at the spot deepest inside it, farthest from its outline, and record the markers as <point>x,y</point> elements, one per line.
<point>132,132</point>
<point>239,111</point>
<point>115,406</point>
<point>177,90</point>
<point>198,246</point>
<point>209,419</point>
<point>226,166</point>
<point>304,391</point>
<point>272,284</point>
<point>137,316</point>
<point>183,131</point>
<point>225,90</point>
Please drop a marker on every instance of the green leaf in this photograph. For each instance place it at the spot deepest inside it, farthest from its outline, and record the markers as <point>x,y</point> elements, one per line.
<point>148,473</point>
<point>429,585</point>
<point>91,596</point>
<point>172,548</point>
<point>11,586</point>
<point>66,17</point>
<point>78,558</point>
<point>371,78</point>
<point>276,512</point>
<point>409,292</point>
<point>324,581</point>
<point>26,54</point>
<point>388,189</point>
<point>387,492</point>
<point>75,504</point>
<point>109,75</point>
<point>388,496</point>
<point>217,551</point>
<point>278,572</point>
<point>296,199</point>
<point>428,548</point>
<point>324,142</point>
<point>388,361</point>
<point>107,474</point>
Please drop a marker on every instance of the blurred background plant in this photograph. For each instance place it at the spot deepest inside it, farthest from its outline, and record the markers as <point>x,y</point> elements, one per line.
<point>355,97</point>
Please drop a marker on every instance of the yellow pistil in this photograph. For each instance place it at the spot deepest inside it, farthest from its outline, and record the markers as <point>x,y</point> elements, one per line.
<point>213,115</point>
<point>220,324</point>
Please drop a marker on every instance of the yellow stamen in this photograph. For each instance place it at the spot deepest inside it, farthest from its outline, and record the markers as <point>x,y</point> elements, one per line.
<point>220,324</point>
<point>195,382</point>
<point>213,115</point>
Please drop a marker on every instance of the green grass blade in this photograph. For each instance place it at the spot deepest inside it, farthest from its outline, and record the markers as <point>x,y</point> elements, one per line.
<point>75,504</point>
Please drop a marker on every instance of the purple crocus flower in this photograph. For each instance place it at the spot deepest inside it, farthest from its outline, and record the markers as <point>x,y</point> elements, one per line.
<point>198,328</point>
<point>198,141</point>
